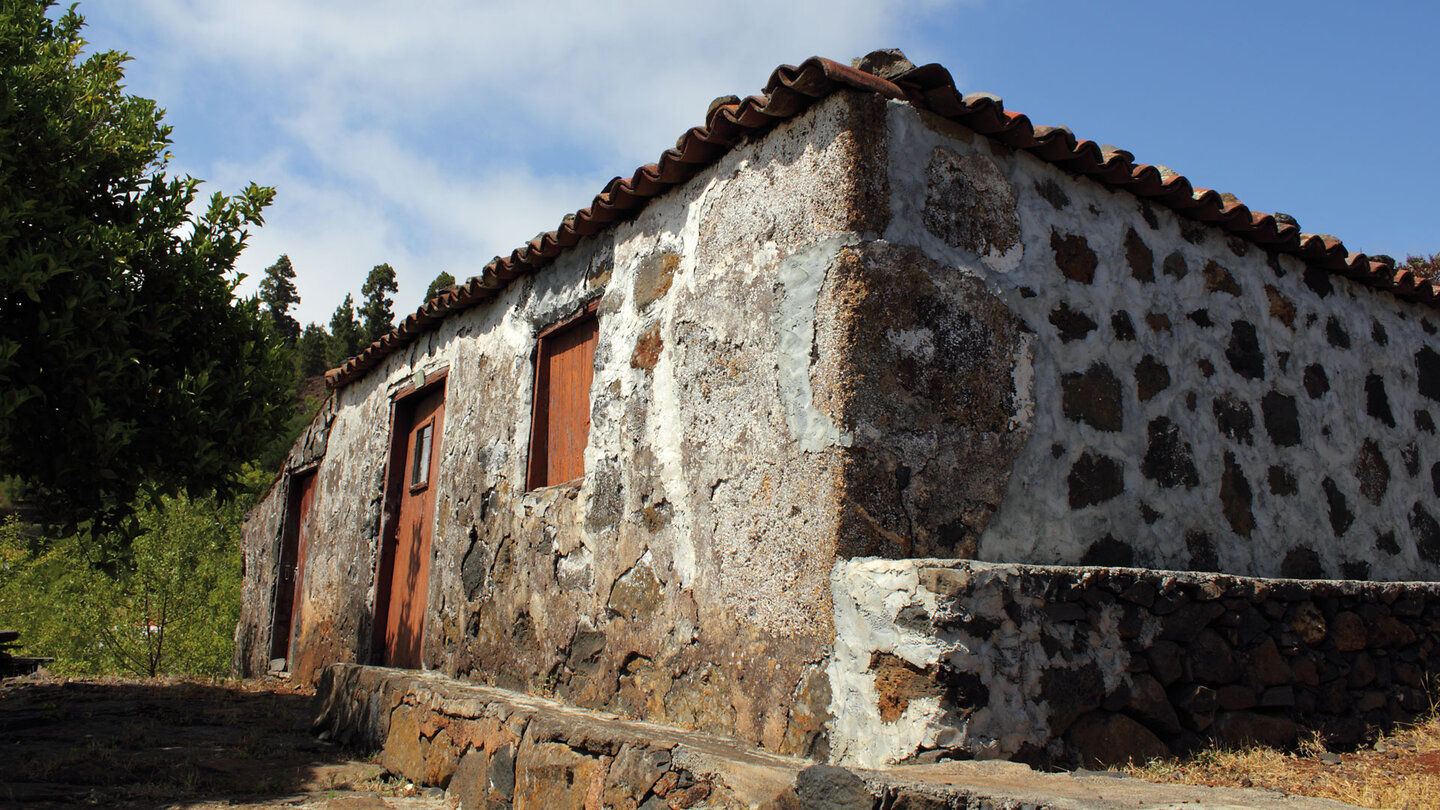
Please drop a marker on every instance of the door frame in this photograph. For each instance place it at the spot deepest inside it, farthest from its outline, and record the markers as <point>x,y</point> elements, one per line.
<point>402,417</point>
<point>291,528</point>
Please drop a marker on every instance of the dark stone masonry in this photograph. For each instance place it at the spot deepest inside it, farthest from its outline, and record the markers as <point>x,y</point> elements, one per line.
<point>1185,660</point>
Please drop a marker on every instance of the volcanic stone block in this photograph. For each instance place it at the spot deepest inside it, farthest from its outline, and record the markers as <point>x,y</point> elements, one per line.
<point>1282,418</point>
<point>1106,739</point>
<point>970,204</point>
<point>1169,461</point>
<point>1109,552</point>
<point>1122,326</point>
<point>1093,397</point>
<point>1175,266</point>
<point>1071,324</point>
<point>1372,472</point>
<point>1377,402</point>
<point>1147,701</point>
<point>1318,280</point>
<point>1282,481</point>
<point>1427,533</point>
<point>1203,554</point>
<point>1219,279</point>
<point>1140,258</point>
<point>1074,257</point>
<point>1233,418</point>
<point>1341,517</point>
<point>1316,381</point>
<point>1071,693</point>
<point>1244,351</point>
<point>1151,377</point>
<point>1301,563</point>
<point>1211,660</point>
<point>1427,366</point>
<point>1282,309</point>
<point>1239,729</point>
<point>1235,497</point>
<point>1196,705</point>
<point>1335,334</point>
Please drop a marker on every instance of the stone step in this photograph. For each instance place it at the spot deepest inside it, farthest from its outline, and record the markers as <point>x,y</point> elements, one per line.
<point>492,747</point>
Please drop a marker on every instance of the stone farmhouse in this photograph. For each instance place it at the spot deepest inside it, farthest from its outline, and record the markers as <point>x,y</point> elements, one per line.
<point>874,423</point>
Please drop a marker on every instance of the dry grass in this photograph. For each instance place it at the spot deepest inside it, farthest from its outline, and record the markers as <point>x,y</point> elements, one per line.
<point>1401,770</point>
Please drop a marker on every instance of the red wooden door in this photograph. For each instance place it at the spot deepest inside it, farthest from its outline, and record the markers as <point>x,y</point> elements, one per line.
<point>565,368</point>
<point>409,543</point>
<point>293,547</point>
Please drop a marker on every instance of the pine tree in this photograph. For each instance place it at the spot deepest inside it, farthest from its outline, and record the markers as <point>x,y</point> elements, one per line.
<point>442,282</point>
<point>344,333</point>
<point>312,351</point>
<point>376,315</point>
<point>278,294</point>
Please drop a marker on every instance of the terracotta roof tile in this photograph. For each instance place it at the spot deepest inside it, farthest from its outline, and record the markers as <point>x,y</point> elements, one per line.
<point>792,89</point>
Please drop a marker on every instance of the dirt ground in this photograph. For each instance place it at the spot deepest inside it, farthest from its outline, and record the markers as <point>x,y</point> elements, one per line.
<point>173,743</point>
<point>184,743</point>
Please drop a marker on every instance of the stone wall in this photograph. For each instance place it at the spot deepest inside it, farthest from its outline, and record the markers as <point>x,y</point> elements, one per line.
<point>260,549</point>
<point>686,578</point>
<point>870,332</point>
<point>939,659</point>
<point>1199,403</point>
<point>492,748</point>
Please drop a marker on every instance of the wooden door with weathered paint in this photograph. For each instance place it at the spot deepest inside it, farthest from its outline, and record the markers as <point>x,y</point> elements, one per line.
<point>565,367</point>
<point>409,542</point>
<point>290,581</point>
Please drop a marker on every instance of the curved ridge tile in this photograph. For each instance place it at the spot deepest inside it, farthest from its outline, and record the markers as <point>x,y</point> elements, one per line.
<point>791,89</point>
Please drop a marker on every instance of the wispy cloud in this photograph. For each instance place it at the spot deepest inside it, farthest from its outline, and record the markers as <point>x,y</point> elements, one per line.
<point>437,136</point>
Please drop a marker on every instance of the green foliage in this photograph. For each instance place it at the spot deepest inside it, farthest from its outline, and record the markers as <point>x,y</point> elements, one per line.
<point>345,336</point>
<point>442,282</point>
<point>312,351</point>
<point>1423,266</point>
<point>171,609</point>
<point>124,354</point>
<point>278,294</point>
<point>376,315</point>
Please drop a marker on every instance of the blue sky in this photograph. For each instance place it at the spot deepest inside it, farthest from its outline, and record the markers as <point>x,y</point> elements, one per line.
<point>438,135</point>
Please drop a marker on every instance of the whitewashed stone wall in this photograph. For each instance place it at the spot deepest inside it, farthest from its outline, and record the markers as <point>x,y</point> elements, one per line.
<point>686,579</point>
<point>1199,403</point>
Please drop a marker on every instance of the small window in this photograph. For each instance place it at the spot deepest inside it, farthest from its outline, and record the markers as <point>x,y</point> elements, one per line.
<point>560,429</point>
<point>420,473</point>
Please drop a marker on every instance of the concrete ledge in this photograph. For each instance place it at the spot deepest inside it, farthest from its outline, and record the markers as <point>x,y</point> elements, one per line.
<point>491,748</point>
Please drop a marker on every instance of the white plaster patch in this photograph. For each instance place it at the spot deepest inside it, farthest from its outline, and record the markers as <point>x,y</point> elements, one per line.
<point>1022,377</point>
<point>801,275</point>
<point>918,343</point>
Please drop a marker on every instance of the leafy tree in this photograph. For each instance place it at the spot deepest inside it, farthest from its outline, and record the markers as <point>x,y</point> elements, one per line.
<point>172,609</point>
<point>1423,266</point>
<point>375,314</point>
<point>124,354</point>
<point>345,335</point>
<point>278,294</point>
<point>442,282</point>
<point>312,351</point>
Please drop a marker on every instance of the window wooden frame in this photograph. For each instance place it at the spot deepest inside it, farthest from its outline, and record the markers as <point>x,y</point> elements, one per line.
<point>538,472</point>
<point>420,470</point>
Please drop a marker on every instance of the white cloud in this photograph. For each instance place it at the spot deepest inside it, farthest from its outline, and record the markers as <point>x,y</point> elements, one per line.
<point>551,100</point>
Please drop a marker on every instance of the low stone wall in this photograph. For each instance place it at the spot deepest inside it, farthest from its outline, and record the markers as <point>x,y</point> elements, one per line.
<point>938,659</point>
<point>492,748</point>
